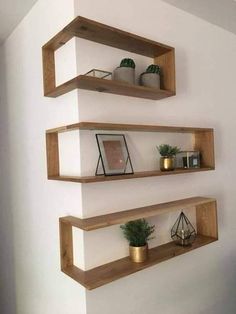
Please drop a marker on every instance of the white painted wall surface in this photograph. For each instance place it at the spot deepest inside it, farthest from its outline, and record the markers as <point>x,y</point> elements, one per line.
<point>7,299</point>
<point>201,282</point>
<point>30,278</point>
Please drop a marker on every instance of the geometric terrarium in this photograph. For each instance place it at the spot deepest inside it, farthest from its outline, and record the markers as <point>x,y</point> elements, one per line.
<point>183,233</point>
<point>99,74</point>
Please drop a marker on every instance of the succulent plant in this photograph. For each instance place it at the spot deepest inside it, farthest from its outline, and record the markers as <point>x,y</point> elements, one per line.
<point>153,68</point>
<point>128,63</point>
<point>166,150</point>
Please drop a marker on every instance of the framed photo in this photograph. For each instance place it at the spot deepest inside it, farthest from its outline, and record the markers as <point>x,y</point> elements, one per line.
<point>114,158</point>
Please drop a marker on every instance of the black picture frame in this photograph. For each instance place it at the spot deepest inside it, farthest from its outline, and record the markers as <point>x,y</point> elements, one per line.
<point>114,158</point>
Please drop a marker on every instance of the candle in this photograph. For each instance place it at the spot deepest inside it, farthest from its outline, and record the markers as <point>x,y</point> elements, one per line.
<point>184,235</point>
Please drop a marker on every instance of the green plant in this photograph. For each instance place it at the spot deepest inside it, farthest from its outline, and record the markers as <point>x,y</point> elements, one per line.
<point>166,150</point>
<point>137,232</point>
<point>128,63</point>
<point>153,68</point>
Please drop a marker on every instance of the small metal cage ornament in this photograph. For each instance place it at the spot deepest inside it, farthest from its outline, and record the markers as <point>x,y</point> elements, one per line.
<point>183,233</point>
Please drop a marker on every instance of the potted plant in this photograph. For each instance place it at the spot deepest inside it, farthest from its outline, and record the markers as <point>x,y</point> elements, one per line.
<point>168,153</point>
<point>151,77</point>
<point>125,72</point>
<point>138,233</point>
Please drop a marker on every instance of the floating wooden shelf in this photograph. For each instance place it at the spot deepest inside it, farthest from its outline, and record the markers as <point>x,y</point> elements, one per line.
<point>206,217</point>
<point>203,141</point>
<point>128,127</point>
<point>111,87</point>
<point>107,273</point>
<point>103,221</point>
<point>136,175</point>
<point>163,55</point>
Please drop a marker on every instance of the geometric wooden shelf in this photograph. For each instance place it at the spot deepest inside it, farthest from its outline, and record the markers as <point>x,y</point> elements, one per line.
<point>107,273</point>
<point>203,139</point>
<point>110,86</point>
<point>81,27</point>
<point>93,223</point>
<point>207,232</point>
<point>127,127</point>
<point>136,175</point>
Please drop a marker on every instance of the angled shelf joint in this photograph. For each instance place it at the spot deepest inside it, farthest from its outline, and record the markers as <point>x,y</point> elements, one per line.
<point>207,232</point>
<point>203,141</point>
<point>81,27</point>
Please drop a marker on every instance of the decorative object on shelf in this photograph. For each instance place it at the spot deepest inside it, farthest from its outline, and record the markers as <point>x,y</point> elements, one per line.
<point>125,72</point>
<point>188,159</point>
<point>138,233</point>
<point>99,74</point>
<point>168,153</point>
<point>114,158</point>
<point>151,77</point>
<point>183,232</point>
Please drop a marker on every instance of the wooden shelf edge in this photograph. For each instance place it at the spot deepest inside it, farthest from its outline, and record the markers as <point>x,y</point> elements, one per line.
<point>109,86</point>
<point>109,272</point>
<point>127,127</point>
<point>86,28</point>
<point>136,175</point>
<point>102,221</point>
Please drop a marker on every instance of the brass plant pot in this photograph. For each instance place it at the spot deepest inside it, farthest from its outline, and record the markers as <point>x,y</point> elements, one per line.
<point>167,163</point>
<point>138,254</point>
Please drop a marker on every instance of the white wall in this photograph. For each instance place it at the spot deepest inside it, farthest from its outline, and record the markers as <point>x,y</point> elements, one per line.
<point>31,280</point>
<point>7,285</point>
<point>200,282</point>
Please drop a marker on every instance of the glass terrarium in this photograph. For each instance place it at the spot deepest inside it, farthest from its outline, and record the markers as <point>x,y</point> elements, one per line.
<point>99,74</point>
<point>188,159</point>
<point>183,232</point>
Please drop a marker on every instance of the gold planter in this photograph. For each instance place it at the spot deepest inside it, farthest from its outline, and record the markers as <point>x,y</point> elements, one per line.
<point>167,163</point>
<point>138,254</point>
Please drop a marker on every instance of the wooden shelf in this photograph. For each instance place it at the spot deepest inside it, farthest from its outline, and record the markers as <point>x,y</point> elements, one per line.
<point>107,273</point>
<point>103,34</point>
<point>206,218</point>
<point>136,175</point>
<point>203,139</point>
<point>127,127</point>
<point>81,27</point>
<point>103,221</point>
<point>164,56</point>
<point>109,86</point>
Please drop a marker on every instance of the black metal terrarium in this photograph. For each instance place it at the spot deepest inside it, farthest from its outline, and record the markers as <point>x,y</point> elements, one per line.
<point>183,232</point>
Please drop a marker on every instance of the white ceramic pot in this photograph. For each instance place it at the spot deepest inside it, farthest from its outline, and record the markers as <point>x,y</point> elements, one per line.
<point>124,74</point>
<point>150,80</point>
